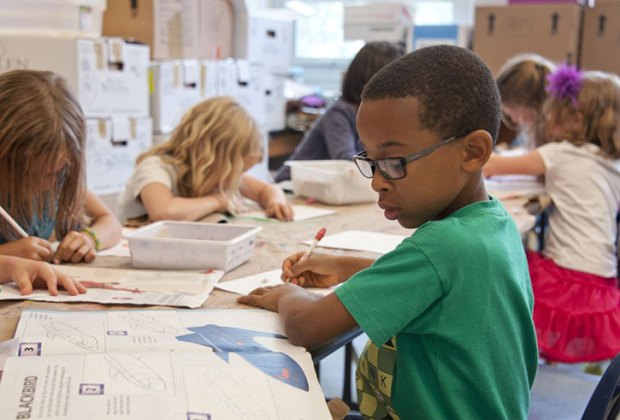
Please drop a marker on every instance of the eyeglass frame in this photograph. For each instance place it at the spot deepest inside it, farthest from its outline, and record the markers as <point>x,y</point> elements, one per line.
<point>362,156</point>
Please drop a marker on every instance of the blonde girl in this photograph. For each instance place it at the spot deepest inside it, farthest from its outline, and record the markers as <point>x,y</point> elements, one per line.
<point>522,87</point>
<point>42,184</point>
<point>574,279</point>
<point>200,169</point>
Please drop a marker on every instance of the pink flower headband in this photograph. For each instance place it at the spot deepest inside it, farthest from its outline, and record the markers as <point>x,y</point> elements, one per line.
<point>565,83</point>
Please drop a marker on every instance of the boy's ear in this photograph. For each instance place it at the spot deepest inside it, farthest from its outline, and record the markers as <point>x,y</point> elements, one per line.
<point>478,146</point>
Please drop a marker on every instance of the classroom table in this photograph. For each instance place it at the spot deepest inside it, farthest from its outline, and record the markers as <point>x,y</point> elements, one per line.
<point>276,241</point>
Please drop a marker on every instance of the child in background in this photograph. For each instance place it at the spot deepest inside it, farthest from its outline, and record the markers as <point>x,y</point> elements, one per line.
<point>28,275</point>
<point>200,169</point>
<point>334,135</point>
<point>577,311</point>
<point>42,174</point>
<point>521,84</point>
<point>448,312</point>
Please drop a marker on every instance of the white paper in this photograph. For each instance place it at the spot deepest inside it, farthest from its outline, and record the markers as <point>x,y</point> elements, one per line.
<point>245,285</point>
<point>203,364</point>
<point>300,212</point>
<point>8,348</point>
<point>119,250</point>
<point>357,240</point>
<point>128,287</point>
<point>507,186</point>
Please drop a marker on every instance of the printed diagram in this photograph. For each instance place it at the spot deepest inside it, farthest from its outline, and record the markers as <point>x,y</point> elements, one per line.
<point>138,320</point>
<point>135,371</point>
<point>71,334</point>
<point>226,340</point>
<point>226,394</point>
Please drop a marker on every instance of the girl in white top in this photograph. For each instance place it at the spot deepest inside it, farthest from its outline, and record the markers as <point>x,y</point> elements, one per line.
<point>200,169</point>
<point>574,279</point>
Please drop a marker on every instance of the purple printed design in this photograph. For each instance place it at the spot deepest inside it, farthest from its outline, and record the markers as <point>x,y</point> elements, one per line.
<point>565,83</point>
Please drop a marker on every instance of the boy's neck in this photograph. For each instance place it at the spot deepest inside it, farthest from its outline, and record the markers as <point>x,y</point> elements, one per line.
<point>473,192</point>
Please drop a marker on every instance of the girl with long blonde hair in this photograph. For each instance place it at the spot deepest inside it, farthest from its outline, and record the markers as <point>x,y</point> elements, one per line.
<point>200,169</point>
<point>575,277</point>
<point>42,183</point>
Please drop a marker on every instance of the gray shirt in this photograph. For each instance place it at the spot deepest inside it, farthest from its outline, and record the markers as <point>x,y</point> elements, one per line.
<point>333,136</point>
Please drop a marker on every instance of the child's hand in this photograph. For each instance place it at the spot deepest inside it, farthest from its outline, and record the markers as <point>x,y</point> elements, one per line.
<point>75,247</point>
<point>318,270</point>
<point>279,210</point>
<point>31,248</point>
<point>32,274</point>
<point>223,203</point>
<point>267,297</point>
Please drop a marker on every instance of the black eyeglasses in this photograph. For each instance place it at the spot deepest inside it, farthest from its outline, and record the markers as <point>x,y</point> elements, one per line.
<point>395,167</point>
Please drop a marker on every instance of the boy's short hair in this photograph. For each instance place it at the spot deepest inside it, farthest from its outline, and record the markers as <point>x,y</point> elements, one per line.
<point>456,90</point>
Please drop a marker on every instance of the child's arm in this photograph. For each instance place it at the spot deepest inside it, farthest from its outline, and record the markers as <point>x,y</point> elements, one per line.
<point>269,196</point>
<point>309,319</point>
<point>28,274</point>
<point>160,204</point>
<point>528,164</point>
<point>32,248</point>
<point>82,246</point>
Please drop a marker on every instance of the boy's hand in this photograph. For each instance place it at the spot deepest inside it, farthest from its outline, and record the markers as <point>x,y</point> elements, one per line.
<point>31,248</point>
<point>319,270</point>
<point>267,297</point>
<point>75,247</point>
<point>33,274</point>
<point>280,210</point>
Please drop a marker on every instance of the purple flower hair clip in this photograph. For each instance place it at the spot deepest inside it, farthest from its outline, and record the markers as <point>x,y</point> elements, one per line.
<point>565,83</point>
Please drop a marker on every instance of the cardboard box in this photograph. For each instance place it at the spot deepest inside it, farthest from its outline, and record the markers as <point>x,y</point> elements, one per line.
<point>377,22</point>
<point>81,18</point>
<point>267,40</point>
<point>175,87</point>
<point>199,29</point>
<point>427,35</point>
<point>112,146</point>
<point>600,46</point>
<point>108,76</point>
<point>552,31</point>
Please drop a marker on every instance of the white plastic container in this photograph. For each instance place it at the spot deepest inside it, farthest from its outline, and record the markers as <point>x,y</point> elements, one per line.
<point>53,17</point>
<point>330,181</point>
<point>191,245</point>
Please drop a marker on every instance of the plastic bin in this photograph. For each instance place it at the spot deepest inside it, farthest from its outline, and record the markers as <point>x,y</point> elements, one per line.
<point>191,245</point>
<point>330,181</point>
<point>52,17</point>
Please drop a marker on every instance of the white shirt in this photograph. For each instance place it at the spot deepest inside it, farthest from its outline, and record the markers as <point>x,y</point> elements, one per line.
<point>585,189</point>
<point>150,170</point>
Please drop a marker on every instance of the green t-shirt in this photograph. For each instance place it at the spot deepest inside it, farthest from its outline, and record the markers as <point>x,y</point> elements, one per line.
<point>453,306</point>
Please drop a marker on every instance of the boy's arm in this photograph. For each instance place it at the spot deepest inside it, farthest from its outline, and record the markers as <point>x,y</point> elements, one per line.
<point>160,204</point>
<point>309,319</point>
<point>105,224</point>
<point>528,164</point>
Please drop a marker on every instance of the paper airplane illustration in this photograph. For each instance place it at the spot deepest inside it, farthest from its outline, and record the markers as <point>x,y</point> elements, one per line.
<point>226,340</point>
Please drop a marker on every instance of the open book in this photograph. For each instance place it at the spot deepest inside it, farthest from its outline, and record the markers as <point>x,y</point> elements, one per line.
<point>158,364</point>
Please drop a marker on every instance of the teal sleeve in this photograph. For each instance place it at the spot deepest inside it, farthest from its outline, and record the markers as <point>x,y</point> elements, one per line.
<point>393,293</point>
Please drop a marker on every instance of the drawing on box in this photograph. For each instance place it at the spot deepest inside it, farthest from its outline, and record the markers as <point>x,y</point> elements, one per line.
<point>149,323</point>
<point>72,334</point>
<point>226,393</point>
<point>135,371</point>
<point>225,340</point>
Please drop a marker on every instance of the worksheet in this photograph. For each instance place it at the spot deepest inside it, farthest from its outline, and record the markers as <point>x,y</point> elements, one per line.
<point>245,285</point>
<point>300,212</point>
<point>512,186</point>
<point>129,287</point>
<point>357,240</point>
<point>199,365</point>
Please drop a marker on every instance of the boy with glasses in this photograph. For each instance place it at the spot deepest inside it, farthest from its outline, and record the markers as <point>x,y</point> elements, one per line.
<point>448,312</point>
